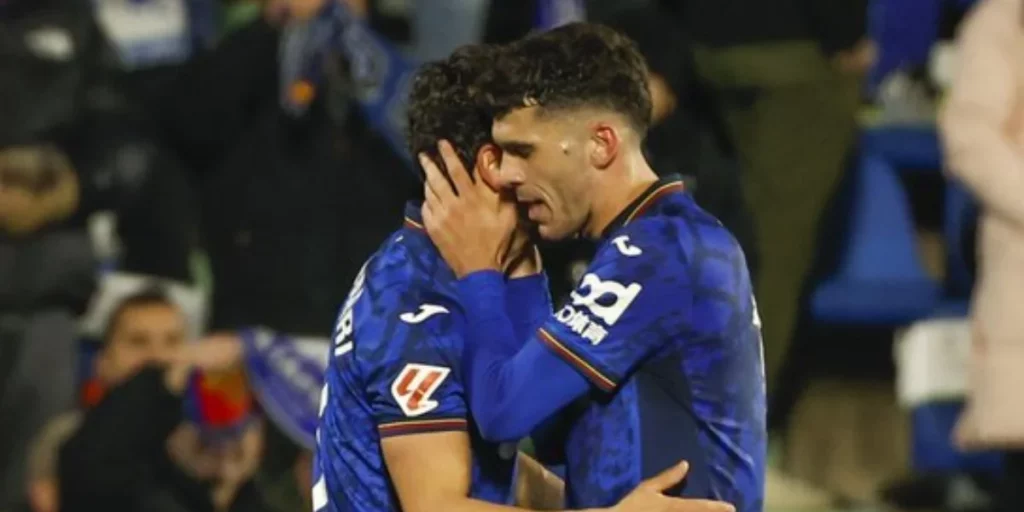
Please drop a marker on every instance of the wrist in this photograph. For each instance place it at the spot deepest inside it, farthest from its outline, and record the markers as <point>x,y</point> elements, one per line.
<point>482,291</point>
<point>176,377</point>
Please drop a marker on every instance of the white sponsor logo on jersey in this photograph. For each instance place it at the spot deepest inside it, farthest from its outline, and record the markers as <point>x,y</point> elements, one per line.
<point>627,249</point>
<point>592,288</point>
<point>423,313</point>
<point>615,297</point>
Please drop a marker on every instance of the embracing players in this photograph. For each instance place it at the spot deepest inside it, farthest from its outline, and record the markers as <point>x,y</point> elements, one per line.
<point>395,430</point>
<point>661,338</point>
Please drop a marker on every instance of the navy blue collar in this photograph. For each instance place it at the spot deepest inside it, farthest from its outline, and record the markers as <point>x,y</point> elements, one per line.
<point>414,216</point>
<point>670,184</point>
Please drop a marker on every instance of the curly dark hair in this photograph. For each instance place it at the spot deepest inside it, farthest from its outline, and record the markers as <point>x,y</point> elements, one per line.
<point>446,102</point>
<point>572,66</point>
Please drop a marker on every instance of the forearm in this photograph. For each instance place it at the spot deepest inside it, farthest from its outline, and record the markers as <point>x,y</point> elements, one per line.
<point>528,303</point>
<point>472,505</point>
<point>536,487</point>
<point>514,384</point>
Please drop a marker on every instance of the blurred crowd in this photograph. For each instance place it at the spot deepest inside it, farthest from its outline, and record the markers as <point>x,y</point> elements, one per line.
<point>185,183</point>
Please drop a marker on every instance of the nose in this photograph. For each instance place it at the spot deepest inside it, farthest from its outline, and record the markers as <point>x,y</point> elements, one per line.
<point>510,176</point>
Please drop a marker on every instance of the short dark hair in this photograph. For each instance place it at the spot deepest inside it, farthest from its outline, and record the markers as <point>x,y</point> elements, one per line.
<point>572,66</point>
<point>446,102</point>
<point>150,295</point>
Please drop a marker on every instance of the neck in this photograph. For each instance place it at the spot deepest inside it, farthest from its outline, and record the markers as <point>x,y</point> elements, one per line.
<point>618,188</point>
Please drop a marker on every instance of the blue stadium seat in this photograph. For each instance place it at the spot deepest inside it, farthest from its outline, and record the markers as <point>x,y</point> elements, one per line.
<point>880,280</point>
<point>908,148</point>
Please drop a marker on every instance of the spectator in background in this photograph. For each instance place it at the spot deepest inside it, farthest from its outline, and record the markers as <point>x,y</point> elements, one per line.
<point>788,75</point>
<point>983,130</point>
<point>61,84</point>
<point>46,278</point>
<point>292,204</point>
<point>133,451</point>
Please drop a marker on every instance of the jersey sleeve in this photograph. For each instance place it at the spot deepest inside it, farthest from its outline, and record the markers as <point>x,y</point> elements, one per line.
<point>633,298</point>
<point>412,377</point>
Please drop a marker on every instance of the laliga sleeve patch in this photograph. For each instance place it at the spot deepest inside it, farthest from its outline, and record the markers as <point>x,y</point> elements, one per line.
<point>414,387</point>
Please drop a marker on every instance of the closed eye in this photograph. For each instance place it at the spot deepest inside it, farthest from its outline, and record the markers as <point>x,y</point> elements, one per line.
<point>518,149</point>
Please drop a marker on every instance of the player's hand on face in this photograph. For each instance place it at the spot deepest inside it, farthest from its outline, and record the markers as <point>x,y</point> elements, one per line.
<point>649,497</point>
<point>471,225</point>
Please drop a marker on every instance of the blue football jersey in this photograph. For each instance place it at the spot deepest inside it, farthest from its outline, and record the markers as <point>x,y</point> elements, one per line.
<point>665,322</point>
<point>394,370</point>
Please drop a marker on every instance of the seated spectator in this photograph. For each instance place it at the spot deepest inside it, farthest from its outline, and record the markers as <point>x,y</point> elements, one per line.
<point>46,277</point>
<point>133,450</point>
<point>37,187</point>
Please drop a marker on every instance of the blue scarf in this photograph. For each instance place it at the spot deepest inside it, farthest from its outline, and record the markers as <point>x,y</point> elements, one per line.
<point>286,375</point>
<point>380,74</point>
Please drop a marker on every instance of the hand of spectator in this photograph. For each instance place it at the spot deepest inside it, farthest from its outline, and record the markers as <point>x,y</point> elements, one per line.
<point>859,59</point>
<point>23,211</point>
<point>215,353</point>
<point>240,458</point>
<point>186,450</point>
<point>649,497</point>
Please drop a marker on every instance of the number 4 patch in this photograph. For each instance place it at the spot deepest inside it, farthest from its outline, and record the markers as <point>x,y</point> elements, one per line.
<point>415,385</point>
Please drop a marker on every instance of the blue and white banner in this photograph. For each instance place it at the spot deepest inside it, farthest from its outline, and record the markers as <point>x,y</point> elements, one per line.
<point>286,374</point>
<point>149,33</point>
<point>380,73</point>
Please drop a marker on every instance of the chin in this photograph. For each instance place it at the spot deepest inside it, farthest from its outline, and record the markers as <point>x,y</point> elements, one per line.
<point>553,233</point>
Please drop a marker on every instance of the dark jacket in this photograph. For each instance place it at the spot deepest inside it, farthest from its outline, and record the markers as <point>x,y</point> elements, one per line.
<point>834,24</point>
<point>291,207</point>
<point>117,460</point>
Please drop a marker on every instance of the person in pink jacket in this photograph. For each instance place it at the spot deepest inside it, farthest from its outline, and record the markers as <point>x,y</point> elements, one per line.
<point>983,129</point>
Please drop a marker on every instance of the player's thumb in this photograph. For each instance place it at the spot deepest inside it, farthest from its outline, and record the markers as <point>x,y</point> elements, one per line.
<point>668,478</point>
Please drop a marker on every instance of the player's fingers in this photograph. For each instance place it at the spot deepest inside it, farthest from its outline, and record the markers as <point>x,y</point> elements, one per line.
<point>431,198</point>
<point>427,213</point>
<point>687,505</point>
<point>456,170</point>
<point>667,478</point>
<point>435,179</point>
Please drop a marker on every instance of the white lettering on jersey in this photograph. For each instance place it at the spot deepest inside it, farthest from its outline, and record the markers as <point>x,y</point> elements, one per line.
<point>320,495</point>
<point>421,315</point>
<point>756,321</point>
<point>346,326</point>
<point>627,249</point>
<point>757,316</point>
<point>415,385</point>
<point>320,499</point>
<point>596,289</point>
<point>582,325</point>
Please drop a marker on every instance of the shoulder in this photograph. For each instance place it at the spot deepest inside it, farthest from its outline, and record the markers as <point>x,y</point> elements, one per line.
<point>405,302</point>
<point>688,247</point>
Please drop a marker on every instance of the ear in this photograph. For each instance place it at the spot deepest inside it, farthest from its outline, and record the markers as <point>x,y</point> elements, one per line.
<point>604,145</point>
<point>488,160</point>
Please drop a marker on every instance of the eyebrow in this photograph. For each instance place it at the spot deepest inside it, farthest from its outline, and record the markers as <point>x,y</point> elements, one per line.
<point>516,148</point>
